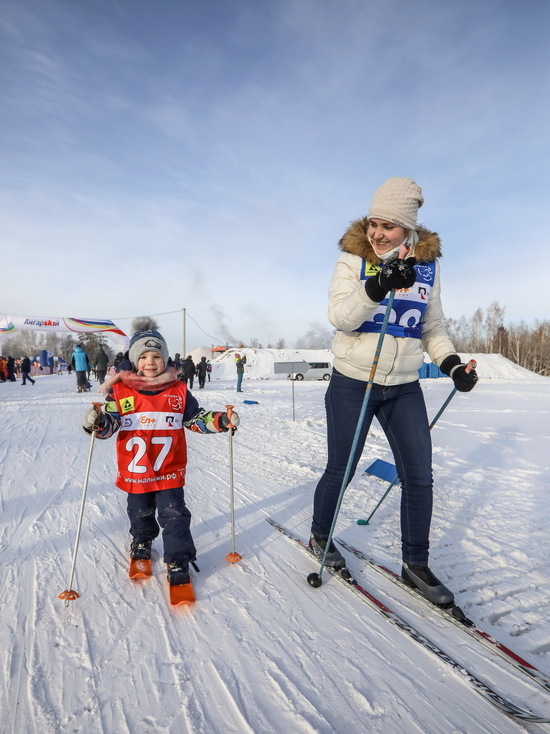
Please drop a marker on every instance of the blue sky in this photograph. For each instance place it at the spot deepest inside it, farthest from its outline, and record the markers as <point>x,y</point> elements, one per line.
<point>209,155</point>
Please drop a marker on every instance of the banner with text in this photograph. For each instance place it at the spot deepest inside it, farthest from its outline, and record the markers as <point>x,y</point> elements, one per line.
<point>10,324</point>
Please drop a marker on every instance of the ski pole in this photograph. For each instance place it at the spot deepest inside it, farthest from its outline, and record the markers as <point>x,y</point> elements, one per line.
<point>469,367</point>
<point>232,557</point>
<point>314,579</point>
<point>70,594</point>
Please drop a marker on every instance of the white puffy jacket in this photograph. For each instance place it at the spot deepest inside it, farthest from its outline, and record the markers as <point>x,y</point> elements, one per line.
<point>349,307</point>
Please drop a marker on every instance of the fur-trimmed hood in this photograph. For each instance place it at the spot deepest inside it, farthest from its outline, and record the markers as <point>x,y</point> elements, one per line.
<point>356,242</point>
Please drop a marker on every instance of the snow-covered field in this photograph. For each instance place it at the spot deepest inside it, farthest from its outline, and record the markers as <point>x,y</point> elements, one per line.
<point>261,651</point>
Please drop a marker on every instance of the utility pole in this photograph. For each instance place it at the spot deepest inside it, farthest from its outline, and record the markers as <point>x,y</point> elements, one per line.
<point>184,353</point>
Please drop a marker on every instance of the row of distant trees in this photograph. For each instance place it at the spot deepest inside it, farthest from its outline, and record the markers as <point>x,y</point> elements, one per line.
<point>485,332</point>
<point>317,337</point>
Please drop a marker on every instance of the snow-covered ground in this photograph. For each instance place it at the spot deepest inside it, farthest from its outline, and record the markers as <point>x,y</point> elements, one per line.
<point>261,651</point>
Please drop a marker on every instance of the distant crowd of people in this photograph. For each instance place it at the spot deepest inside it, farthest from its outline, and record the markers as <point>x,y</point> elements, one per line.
<point>188,370</point>
<point>11,369</point>
<point>99,366</point>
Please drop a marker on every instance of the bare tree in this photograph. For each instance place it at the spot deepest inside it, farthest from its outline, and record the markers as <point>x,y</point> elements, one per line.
<point>525,345</point>
<point>494,319</point>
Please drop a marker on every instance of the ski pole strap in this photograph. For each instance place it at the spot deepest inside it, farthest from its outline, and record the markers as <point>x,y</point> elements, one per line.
<point>98,407</point>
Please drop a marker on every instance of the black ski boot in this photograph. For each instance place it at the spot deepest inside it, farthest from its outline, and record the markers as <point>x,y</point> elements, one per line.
<point>334,558</point>
<point>178,573</point>
<point>421,578</point>
<point>140,550</point>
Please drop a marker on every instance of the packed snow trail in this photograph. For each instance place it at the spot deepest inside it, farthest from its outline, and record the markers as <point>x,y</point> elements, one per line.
<point>261,651</point>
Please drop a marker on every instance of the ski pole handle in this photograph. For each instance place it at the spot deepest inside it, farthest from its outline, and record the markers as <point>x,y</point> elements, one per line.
<point>472,364</point>
<point>229,410</point>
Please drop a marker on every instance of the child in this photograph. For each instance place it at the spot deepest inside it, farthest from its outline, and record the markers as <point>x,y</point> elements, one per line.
<point>149,407</point>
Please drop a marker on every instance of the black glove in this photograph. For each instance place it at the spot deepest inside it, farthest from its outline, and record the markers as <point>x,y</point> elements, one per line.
<point>396,274</point>
<point>456,370</point>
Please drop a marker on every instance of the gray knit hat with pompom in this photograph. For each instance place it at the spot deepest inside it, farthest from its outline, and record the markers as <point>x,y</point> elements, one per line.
<point>147,341</point>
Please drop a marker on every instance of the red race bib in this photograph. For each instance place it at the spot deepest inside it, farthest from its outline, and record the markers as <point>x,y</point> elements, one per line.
<point>151,445</point>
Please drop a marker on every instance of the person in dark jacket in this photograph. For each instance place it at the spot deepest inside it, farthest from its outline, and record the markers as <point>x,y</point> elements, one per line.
<point>188,371</point>
<point>81,365</point>
<point>26,371</point>
<point>101,364</point>
<point>11,369</point>
<point>201,372</point>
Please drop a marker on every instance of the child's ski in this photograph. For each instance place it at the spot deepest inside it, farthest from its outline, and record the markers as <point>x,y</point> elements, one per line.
<point>181,594</point>
<point>140,568</point>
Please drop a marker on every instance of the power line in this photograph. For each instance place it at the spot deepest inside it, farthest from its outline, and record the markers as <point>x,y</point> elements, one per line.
<point>127,318</point>
<point>166,313</point>
<point>203,331</point>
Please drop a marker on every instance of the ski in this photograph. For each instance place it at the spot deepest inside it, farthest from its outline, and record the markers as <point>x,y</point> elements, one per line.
<point>181,594</point>
<point>457,617</point>
<point>506,706</point>
<point>140,568</point>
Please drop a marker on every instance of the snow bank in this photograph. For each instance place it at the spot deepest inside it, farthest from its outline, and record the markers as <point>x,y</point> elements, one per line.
<point>259,363</point>
<point>497,367</point>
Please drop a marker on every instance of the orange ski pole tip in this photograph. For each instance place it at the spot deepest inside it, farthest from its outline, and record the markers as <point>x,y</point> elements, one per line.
<point>233,557</point>
<point>69,594</point>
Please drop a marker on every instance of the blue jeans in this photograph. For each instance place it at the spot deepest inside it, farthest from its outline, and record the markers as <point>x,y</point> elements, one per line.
<point>173,517</point>
<point>401,412</point>
<point>239,381</point>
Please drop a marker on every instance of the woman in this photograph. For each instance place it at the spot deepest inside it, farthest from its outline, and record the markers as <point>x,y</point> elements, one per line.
<point>384,251</point>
